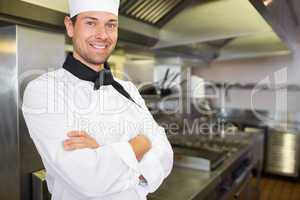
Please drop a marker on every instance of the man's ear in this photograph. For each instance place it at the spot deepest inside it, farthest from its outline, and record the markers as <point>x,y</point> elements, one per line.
<point>69,26</point>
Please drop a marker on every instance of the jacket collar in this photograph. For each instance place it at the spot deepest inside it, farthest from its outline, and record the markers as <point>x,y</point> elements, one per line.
<point>83,72</point>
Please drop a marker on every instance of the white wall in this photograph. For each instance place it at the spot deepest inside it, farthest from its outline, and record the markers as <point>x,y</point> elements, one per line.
<point>253,71</point>
<point>141,71</point>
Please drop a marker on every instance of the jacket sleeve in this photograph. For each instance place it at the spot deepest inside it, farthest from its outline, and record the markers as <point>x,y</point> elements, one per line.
<point>157,163</point>
<point>92,173</point>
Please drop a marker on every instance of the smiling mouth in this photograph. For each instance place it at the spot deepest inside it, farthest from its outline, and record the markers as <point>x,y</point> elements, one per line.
<point>99,46</point>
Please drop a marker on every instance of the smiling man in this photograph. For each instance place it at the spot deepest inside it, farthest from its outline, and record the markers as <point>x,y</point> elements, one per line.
<point>96,138</point>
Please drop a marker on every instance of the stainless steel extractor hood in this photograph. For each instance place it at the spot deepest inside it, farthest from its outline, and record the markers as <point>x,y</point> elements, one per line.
<point>283,16</point>
<point>153,12</point>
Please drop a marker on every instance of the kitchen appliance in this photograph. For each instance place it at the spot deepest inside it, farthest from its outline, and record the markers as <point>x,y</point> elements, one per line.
<point>283,153</point>
<point>25,53</point>
<point>163,87</point>
<point>230,180</point>
<point>196,158</point>
<point>203,152</point>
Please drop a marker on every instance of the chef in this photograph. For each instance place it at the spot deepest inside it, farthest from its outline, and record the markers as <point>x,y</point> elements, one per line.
<point>96,138</point>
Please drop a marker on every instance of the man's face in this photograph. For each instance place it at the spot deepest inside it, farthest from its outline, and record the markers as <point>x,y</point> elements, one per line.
<point>94,36</point>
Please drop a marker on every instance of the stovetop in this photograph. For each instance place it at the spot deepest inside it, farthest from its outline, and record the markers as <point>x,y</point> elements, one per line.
<point>226,145</point>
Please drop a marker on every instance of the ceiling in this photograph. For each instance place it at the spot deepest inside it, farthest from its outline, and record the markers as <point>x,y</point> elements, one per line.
<point>191,26</point>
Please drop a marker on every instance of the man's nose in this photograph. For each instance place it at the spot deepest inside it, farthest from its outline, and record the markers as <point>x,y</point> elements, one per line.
<point>101,32</point>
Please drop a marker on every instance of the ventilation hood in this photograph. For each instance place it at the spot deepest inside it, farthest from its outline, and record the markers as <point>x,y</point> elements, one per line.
<point>153,12</point>
<point>220,29</point>
<point>283,16</point>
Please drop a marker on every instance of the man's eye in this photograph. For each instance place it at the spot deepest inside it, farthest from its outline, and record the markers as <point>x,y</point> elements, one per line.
<point>90,23</point>
<point>111,26</point>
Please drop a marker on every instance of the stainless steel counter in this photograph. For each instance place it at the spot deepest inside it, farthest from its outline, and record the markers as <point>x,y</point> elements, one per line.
<point>191,184</point>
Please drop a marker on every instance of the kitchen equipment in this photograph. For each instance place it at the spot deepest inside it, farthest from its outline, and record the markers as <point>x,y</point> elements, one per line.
<point>165,91</point>
<point>173,79</point>
<point>231,180</point>
<point>203,152</point>
<point>283,153</point>
<point>260,146</point>
<point>25,55</point>
<point>149,89</point>
<point>159,88</point>
<point>165,78</point>
<point>196,158</point>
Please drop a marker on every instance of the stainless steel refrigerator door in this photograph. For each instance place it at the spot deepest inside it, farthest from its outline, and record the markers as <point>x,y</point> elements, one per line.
<point>9,140</point>
<point>38,52</point>
<point>25,53</point>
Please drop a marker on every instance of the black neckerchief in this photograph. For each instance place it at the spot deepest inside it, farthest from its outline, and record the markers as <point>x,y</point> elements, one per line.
<point>103,77</point>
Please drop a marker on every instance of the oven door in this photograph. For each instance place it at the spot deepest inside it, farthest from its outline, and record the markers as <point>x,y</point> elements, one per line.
<point>244,191</point>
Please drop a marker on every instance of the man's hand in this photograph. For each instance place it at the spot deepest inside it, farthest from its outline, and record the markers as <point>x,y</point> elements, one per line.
<point>140,145</point>
<point>79,140</point>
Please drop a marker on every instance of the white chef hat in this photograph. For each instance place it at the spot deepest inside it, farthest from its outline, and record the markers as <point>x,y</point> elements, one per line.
<point>79,6</point>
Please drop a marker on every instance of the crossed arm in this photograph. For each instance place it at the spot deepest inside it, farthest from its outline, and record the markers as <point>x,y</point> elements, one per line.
<point>81,140</point>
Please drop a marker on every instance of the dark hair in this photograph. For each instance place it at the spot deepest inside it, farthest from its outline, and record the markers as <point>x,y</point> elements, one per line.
<point>74,19</point>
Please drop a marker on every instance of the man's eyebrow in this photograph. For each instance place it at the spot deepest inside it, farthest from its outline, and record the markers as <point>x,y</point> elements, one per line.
<point>95,19</point>
<point>91,18</point>
<point>113,20</point>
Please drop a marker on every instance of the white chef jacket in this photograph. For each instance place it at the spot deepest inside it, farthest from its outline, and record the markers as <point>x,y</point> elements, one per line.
<point>58,102</point>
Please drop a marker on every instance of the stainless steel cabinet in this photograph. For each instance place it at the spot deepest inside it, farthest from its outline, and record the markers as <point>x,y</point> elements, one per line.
<point>283,153</point>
